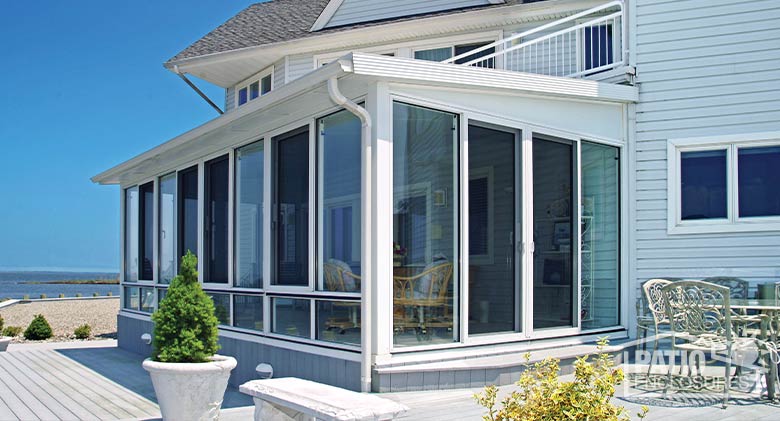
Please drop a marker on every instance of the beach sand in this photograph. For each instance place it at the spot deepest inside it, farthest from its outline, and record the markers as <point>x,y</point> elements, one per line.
<point>66,315</point>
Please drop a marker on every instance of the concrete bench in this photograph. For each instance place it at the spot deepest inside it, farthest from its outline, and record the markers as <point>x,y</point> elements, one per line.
<point>290,398</point>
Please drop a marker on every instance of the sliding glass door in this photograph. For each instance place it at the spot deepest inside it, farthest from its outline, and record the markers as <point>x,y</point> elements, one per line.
<point>554,278</point>
<point>493,215</point>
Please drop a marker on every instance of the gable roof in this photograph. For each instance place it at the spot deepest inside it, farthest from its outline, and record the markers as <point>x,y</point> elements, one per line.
<point>285,20</point>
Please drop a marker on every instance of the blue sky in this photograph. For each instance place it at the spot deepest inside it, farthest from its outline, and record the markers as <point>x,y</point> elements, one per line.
<point>82,88</point>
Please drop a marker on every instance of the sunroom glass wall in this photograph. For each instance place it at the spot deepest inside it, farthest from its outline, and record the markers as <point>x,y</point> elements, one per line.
<point>425,228</point>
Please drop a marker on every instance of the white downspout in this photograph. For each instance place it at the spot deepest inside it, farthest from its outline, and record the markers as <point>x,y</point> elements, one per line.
<point>365,190</point>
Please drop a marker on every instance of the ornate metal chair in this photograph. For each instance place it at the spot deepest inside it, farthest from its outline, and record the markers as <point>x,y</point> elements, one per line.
<point>738,288</point>
<point>422,301</point>
<point>645,320</point>
<point>658,316</point>
<point>701,319</point>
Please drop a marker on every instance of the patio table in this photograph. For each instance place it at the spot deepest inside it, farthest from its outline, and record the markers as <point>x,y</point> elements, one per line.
<point>770,307</point>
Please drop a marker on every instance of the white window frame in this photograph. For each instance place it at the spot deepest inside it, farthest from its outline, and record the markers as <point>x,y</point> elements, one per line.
<point>257,77</point>
<point>732,223</point>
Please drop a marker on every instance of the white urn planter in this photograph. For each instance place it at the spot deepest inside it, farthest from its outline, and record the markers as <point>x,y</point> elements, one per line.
<point>190,391</point>
<point>4,341</point>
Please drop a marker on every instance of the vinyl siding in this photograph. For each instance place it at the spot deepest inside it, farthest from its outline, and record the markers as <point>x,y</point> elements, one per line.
<point>279,74</point>
<point>299,65</point>
<point>705,68</point>
<point>230,99</point>
<point>355,11</point>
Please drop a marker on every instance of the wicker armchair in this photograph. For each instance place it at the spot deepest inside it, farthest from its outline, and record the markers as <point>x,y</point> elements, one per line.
<point>338,277</point>
<point>422,301</point>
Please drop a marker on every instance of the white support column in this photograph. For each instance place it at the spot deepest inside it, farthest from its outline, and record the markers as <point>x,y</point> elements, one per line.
<point>268,209</point>
<point>201,219</point>
<point>380,107</point>
<point>528,231</point>
<point>156,232</point>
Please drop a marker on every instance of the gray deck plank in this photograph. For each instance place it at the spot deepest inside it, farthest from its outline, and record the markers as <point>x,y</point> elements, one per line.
<point>37,407</point>
<point>68,387</point>
<point>31,381</point>
<point>131,404</point>
<point>14,403</point>
<point>5,411</point>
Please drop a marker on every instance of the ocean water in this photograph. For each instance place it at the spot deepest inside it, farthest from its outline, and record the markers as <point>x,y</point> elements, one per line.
<point>12,284</point>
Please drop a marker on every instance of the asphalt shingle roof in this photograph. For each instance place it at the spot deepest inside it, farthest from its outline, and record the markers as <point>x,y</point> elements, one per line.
<point>278,21</point>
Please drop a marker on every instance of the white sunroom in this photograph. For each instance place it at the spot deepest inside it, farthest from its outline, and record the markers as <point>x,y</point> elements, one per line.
<point>385,210</point>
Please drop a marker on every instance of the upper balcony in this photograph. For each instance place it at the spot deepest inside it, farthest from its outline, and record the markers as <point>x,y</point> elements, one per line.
<point>589,44</point>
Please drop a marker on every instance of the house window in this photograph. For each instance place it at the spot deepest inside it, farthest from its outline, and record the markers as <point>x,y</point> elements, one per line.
<point>187,212</point>
<point>249,216</point>
<point>215,243</point>
<point>146,235</point>
<point>338,196</point>
<point>598,49</point>
<point>131,234</point>
<point>443,53</point>
<point>291,209</point>
<point>221,307</point>
<point>255,87</point>
<point>167,229</point>
<point>248,312</point>
<point>724,184</point>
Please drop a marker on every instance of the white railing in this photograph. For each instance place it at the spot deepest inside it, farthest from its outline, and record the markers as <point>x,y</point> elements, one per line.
<point>585,43</point>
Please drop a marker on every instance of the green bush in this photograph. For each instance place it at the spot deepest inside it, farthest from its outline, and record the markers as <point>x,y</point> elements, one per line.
<point>61,295</point>
<point>82,332</point>
<point>2,323</point>
<point>95,294</point>
<point>78,295</point>
<point>43,296</point>
<point>185,327</point>
<point>12,331</point>
<point>38,330</point>
<point>543,396</point>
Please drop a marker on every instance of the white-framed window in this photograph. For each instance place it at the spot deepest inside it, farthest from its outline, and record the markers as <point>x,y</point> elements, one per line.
<point>442,53</point>
<point>724,183</point>
<point>255,87</point>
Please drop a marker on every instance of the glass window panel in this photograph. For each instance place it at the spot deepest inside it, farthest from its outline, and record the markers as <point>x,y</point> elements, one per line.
<point>339,202</point>
<point>434,54</point>
<point>600,253</point>
<point>242,96</point>
<point>161,293</point>
<point>488,63</point>
<point>146,222</point>
<point>759,189</point>
<point>249,216</point>
<point>147,300</point>
<point>254,90</point>
<point>266,85</point>
<point>248,312</point>
<point>338,321</point>
<point>167,234</point>
<point>131,234</point>
<point>493,289</point>
<point>291,218</point>
<point>703,185</point>
<point>132,300</point>
<point>221,307</point>
<point>215,241</point>
<point>188,212</point>
<point>553,281</point>
<point>425,228</point>
<point>291,317</point>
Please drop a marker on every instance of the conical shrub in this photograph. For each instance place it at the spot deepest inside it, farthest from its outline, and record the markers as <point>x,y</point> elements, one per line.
<point>38,330</point>
<point>185,327</point>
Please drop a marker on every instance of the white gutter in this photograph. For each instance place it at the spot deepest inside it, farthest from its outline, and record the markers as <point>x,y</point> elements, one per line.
<point>365,190</point>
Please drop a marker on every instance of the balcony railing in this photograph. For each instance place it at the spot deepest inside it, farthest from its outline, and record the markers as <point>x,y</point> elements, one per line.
<point>580,45</point>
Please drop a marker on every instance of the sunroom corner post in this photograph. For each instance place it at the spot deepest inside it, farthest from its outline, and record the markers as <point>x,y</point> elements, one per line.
<point>379,106</point>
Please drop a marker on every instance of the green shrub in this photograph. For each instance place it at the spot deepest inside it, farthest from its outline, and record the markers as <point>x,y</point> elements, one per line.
<point>61,295</point>
<point>12,331</point>
<point>95,294</point>
<point>38,330</point>
<point>2,323</point>
<point>78,295</point>
<point>543,396</point>
<point>185,327</point>
<point>109,294</point>
<point>43,296</point>
<point>83,332</point>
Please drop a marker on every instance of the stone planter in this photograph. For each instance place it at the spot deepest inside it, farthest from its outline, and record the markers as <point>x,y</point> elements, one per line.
<point>4,341</point>
<point>190,391</point>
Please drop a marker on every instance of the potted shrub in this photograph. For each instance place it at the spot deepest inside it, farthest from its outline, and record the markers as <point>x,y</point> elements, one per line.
<point>189,378</point>
<point>4,340</point>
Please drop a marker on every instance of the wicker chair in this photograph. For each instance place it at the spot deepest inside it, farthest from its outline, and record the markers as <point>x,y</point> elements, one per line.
<point>338,277</point>
<point>422,301</point>
<point>701,319</point>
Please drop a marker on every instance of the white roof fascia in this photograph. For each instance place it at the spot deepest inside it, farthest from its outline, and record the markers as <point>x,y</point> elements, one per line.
<point>326,15</point>
<point>404,69</point>
<point>427,27</point>
<point>292,89</point>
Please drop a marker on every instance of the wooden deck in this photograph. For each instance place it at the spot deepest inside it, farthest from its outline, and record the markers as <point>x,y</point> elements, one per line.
<point>97,380</point>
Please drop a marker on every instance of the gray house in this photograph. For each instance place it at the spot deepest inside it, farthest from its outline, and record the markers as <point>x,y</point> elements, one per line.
<point>408,195</point>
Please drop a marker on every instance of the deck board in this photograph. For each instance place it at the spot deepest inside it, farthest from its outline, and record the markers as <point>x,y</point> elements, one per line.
<point>43,394</point>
